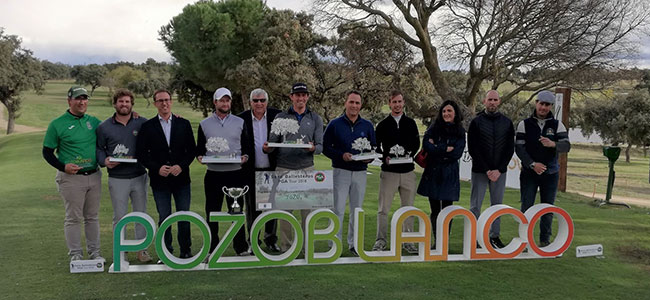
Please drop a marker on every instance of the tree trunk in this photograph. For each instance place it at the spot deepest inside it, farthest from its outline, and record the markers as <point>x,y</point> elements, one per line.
<point>244,100</point>
<point>11,120</point>
<point>627,153</point>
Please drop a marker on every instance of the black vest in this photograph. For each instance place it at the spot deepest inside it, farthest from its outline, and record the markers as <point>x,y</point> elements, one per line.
<point>534,147</point>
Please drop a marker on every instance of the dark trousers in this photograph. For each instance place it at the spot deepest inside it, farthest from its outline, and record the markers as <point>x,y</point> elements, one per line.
<point>270,236</point>
<point>547,184</point>
<point>163,198</point>
<point>213,183</point>
<point>436,207</point>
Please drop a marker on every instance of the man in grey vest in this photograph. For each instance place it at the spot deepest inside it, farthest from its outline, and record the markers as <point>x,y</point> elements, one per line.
<point>117,137</point>
<point>223,126</point>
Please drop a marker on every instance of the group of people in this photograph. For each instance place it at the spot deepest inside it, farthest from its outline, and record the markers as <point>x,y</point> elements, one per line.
<point>77,144</point>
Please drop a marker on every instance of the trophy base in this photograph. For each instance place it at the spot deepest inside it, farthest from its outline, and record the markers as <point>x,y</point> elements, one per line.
<point>284,145</point>
<point>123,160</point>
<point>221,160</point>
<point>397,161</point>
<point>369,156</point>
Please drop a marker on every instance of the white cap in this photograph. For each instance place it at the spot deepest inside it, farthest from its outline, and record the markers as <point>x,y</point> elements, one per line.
<point>220,92</point>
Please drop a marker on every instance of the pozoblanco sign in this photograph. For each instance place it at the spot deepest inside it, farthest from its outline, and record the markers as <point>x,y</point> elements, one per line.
<point>474,230</point>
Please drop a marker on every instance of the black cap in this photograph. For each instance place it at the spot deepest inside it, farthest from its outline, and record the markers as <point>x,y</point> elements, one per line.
<point>299,87</point>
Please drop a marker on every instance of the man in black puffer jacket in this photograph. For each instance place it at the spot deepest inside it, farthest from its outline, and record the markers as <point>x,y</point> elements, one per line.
<point>490,141</point>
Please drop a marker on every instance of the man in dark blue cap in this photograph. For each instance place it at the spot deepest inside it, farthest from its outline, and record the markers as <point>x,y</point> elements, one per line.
<point>539,139</point>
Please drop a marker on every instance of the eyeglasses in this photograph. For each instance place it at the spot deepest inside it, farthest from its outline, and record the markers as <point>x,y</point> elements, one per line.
<point>259,100</point>
<point>163,100</point>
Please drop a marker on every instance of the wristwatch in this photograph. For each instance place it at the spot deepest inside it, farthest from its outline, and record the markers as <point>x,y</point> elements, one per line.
<point>532,165</point>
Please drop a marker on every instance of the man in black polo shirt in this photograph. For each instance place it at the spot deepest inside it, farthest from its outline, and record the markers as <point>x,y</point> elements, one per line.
<point>116,138</point>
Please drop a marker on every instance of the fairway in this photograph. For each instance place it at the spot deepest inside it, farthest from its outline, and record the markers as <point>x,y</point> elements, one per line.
<point>35,265</point>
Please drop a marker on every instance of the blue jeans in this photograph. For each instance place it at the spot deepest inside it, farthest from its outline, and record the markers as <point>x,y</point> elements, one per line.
<point>163,198</point>
<point>547,184</point>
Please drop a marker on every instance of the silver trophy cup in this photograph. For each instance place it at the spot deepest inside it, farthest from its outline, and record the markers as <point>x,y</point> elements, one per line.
<point>235,192</point>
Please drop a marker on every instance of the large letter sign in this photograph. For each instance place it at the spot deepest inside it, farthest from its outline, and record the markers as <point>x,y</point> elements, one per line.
<point>473,231</point>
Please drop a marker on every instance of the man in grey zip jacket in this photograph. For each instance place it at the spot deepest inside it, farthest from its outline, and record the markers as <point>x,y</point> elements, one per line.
<point>311,132</point>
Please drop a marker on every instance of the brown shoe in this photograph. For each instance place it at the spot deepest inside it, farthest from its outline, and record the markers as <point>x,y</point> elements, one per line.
<point>143,256</point>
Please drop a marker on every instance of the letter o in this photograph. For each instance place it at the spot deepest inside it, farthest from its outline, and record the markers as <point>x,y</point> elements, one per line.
<point>182,263</point>
<point>564,235</point>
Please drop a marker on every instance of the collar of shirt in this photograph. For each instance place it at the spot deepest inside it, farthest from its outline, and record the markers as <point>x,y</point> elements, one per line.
<point>298,116</point>
<point>127,122</point>
<point>163,120</point>
<point>255,119</point>
<point>222,121</point>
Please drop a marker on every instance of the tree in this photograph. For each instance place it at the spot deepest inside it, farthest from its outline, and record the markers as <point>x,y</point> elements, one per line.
<point>121,76</point>
<point>20,72</point>
<point>209,38</point>
<point>624,119</point>
<point>497,40</point>
<point>91,75</point>
<point>56,70</point>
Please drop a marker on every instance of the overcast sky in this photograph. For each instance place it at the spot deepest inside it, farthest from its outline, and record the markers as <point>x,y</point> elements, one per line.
<point>97,31</point>
<point>101,31</point>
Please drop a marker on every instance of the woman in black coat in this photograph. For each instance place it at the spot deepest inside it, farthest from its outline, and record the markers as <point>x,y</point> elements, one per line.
<point>444,143</point>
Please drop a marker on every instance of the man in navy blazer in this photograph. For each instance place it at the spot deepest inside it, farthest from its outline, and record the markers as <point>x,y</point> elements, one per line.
<point>166,147</point>
<point>257,122</point>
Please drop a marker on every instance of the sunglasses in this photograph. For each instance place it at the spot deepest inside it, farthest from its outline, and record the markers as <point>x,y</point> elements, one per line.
<point>259,100</point>
<point>83,97</point>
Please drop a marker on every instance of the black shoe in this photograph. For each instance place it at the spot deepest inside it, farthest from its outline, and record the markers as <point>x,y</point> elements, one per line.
<point>186,255</point>
<point>544,243</point>
<point>273,248</point>
<point>496,243</point>
<point>354,252</point>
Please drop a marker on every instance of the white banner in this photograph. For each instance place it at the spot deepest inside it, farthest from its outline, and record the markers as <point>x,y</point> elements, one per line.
<point>514,169</point>
<point>294,190</point>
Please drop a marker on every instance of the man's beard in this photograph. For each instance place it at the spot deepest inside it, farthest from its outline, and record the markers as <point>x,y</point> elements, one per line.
<point>119,112</point>
<point>224,111</point>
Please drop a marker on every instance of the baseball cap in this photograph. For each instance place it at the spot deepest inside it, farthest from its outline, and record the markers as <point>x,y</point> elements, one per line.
<point>220,92</point>
<point>299,87</point>
<point>77,91</point>
<point>546,96</point>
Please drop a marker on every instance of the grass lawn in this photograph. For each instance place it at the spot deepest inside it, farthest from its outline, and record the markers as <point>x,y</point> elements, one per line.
<point>588,169</point>
<point>35,263</point>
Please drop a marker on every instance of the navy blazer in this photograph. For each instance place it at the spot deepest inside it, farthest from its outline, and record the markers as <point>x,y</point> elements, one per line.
<point>249,166</point>
<point>153,151</point>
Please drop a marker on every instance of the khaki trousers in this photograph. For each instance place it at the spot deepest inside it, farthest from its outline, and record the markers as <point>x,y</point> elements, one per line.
<point>390,183</point>
<point>81,195</point>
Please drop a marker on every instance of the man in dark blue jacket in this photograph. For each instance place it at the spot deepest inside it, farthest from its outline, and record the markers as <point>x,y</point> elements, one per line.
<point>490,142</point>
<point>349,174</point>
<point>539,139</point>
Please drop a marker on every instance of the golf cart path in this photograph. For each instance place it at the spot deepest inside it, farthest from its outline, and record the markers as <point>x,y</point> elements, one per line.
<point>617,199</point>
<point>17,127</point>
